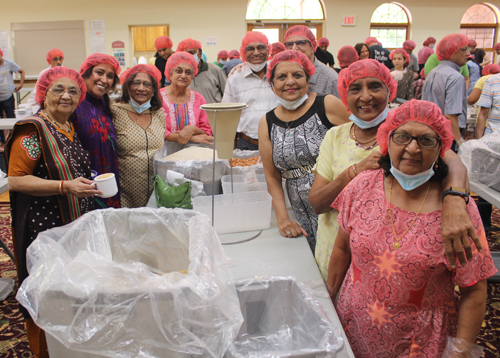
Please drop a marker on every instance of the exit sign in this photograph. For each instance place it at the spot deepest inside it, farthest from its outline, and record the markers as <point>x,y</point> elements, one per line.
<point>349,21</point>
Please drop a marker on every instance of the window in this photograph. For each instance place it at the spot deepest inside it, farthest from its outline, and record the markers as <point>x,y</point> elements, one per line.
<point>274,17</point>
<point>479,23</point>
<point>390,24</point>
<point>285,10</point>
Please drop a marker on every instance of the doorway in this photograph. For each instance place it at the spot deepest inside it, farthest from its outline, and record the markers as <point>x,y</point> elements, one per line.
<point>144,39</point>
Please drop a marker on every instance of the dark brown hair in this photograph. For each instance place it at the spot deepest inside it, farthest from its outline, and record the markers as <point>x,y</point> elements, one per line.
<point>116,80</point>
<point>156,101</point>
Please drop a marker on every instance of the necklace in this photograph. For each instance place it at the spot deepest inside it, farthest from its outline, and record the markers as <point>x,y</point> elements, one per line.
<point>287,132</point>
<point>360,144</point>
<point>137,117</point>
<point>47,116</point>
<point>396,244</point>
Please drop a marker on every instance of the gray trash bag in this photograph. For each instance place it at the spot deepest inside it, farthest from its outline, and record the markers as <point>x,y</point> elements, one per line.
<point>282,319</point>
<point>109,284</point>
<point>482,160</point>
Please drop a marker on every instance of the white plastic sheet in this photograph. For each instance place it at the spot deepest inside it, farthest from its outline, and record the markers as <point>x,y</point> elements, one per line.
<point>97,285</point>
<point>282,319</point>
<point>482,159</point>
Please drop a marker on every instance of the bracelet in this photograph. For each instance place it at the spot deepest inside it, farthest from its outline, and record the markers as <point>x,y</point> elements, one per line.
<point>354,168</point>
<point>61,187</point>
<point>349,174</point>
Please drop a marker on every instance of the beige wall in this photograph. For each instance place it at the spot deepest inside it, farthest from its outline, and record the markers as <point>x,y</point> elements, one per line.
<point>224,19</point>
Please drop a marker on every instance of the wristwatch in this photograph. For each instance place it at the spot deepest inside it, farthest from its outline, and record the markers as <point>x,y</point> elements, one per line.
<point>457,192</point>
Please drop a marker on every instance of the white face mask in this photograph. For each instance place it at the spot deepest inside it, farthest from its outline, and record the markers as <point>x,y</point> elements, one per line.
<point>257,67</point>
<point>196,58</point>
<point>292,105</point>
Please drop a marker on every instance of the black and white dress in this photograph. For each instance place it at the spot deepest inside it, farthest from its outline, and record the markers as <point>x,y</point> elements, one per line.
<point>295,149</point>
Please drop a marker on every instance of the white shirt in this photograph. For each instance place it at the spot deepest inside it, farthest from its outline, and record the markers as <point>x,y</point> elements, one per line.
<point>31,102</point>
<point>247,87</point>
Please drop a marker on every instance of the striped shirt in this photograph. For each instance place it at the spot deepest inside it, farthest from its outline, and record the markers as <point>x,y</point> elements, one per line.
<point>490,98</point>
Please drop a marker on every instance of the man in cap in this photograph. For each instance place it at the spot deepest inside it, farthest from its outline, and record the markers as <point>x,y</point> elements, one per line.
<point>324,80</point>
<point>163,46</point>
<point>409,46</point>
<point>379,53</point>
<point>250,85</point>
<point>322,53</point>
<point>210,80</point>
<point>446,87</point>
<point>234,59</point>
<point>222,57</point>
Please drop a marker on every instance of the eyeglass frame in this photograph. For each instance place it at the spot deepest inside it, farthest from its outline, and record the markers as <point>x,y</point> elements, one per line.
<point>438,142</point>
<point>260,48</point>
<point>136,84</point>
<point>302,43</point>
<point>64,91</point>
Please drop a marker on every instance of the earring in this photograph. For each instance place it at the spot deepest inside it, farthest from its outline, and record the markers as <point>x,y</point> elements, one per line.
<point>436,166</point>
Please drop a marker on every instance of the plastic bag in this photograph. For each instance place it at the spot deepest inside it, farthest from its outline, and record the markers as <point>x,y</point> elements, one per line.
<point>98,285</point>
<point>457,347</point>
<point>282,319</point>
<point>482,160</point>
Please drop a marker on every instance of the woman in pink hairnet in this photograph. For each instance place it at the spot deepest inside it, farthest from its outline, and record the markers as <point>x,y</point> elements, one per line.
<point>366,87</point>
<point>402,73</point>
<point>290,137</point>
<point>398,298</point>
<point>185,121</point>
<point>93,120</point>
<point>139,122</point>
<point>49,172</point>
<point>426,51</point>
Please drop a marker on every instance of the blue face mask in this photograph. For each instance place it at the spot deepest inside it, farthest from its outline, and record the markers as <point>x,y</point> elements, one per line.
<point>139,108</point>
<point>370,124</point>
<point>410,182</point>
<point>222,62</point>
<point>196,58</point>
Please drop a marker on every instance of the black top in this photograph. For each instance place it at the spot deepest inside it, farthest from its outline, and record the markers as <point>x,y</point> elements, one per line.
<point>325,57</point>
<point>382,55</point>
<point>160,64</point>
<point>479,56</point>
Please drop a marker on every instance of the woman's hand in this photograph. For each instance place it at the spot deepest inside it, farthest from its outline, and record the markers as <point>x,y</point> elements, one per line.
<point>80,187</point>
<point>203,138</point>
<point>290,228</point>
<point>185,134</point>
<point>370,162</point>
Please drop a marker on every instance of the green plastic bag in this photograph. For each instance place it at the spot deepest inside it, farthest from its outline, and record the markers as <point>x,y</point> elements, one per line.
<point>172,196</point>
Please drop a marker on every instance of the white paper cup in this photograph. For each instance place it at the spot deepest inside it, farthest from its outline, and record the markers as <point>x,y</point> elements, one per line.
<point>107,184</point>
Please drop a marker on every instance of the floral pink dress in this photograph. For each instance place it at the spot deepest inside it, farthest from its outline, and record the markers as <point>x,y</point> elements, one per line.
<point>399,303</point>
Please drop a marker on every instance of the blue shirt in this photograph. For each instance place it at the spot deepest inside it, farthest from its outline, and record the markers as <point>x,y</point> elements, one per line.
<point>474,75</point>
<point>7,86</point>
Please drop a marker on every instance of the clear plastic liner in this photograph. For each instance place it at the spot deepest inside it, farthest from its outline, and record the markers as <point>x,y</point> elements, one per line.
<point>109,284</point>
<point>200,170</point>
<point>282,319</point>
<point>482,159</point>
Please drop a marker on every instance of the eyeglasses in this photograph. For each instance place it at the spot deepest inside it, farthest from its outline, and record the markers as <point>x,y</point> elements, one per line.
<point>180,71</point>
<point>423,142</point>
<point>139,83</point>
<point>300,43</point>
<point>59,91</point>
<point>260,48</point>
<point>464,49</point>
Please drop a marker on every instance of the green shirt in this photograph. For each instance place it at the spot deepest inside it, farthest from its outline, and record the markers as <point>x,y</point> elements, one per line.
<point>433,62</point>
<point>218,64</point>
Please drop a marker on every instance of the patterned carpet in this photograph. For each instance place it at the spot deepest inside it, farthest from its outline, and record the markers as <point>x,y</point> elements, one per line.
<point>13,342</point>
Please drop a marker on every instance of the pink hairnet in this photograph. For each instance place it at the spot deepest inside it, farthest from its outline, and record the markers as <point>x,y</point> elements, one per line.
<point>323,42</point>
<point>188,44</point>
<point>491,69</point>
<point>291,56</point>
<point>234,54</point>
<point>416,111</point>
<point>54,53</point>
<point>429,40</point>
<point>362,69</point>
<point>369,40</point>
<point>497,46</point>
<point>1,52</point>
<point>347,55</point>
<point>53,74</point>
<point>403,53</point>
<point>162,42</point>
<point>472,43</point>
<point>178,58</point>
<point>97,58</point>
<point>424,54</point>
<point>277,47</point>
<point>223,54</point>
<point>149,69</point>
<point>252,36</point>
<point>409,45</point>
<point>304,31</point>
<point>422,74</point>
<point>449,45</point>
